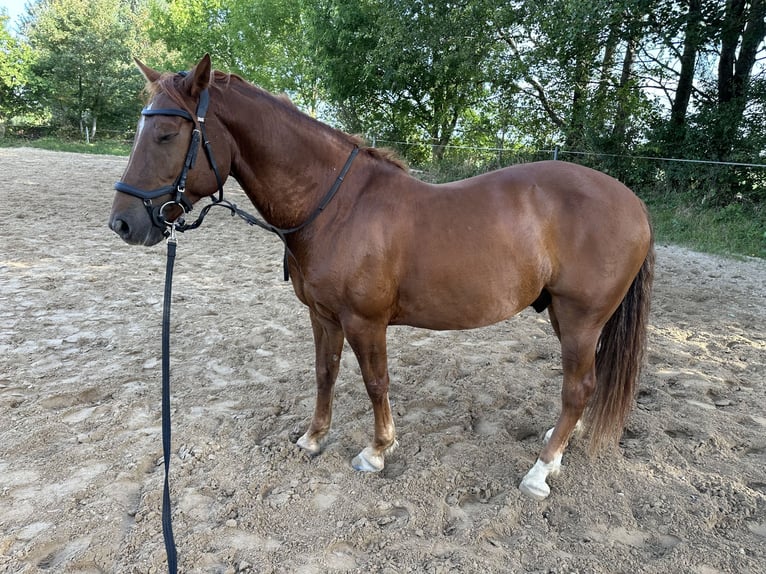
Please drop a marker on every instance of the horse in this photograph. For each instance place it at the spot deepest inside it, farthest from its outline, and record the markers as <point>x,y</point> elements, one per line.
<point>385,248</point>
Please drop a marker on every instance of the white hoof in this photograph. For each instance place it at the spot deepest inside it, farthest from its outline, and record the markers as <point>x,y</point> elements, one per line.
<point>534,482</point>
<point>369,461</point>
<point>535,490</point>
<point>310,445</point>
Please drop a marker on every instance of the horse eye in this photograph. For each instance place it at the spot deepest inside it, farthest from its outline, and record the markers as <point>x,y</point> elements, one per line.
<point>167,137</point>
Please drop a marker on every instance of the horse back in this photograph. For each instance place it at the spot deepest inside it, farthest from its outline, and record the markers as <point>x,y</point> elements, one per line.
<point>473,252</point>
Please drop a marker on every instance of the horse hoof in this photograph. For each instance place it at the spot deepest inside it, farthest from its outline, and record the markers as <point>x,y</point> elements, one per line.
<point>309,445</point>
<point>369,461</point>
<point>534,482</point>
<point>536,490</point>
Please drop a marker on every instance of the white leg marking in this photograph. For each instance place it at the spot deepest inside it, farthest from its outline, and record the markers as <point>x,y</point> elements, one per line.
<point>310,445</point>
<point>369,461</point>
<point>533,484</point>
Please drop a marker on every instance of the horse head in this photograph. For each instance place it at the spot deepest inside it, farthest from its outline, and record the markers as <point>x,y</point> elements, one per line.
<point>163,178</point>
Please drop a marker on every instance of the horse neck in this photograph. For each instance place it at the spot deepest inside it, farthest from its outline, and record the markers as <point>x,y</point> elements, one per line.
<point>284,160</point>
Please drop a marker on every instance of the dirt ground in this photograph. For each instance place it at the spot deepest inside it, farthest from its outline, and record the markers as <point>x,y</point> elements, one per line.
<point>80,448</point>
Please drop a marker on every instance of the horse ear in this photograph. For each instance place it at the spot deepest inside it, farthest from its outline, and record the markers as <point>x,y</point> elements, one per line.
<point>199,78</point>
<point>150,74</point>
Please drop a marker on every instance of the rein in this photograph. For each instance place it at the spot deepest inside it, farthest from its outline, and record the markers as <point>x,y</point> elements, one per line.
<point>178,189</point>
<point>156,213</point>
<point>281,232</point>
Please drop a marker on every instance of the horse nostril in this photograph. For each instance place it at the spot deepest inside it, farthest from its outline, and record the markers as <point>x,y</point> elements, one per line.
<point>120,227</point>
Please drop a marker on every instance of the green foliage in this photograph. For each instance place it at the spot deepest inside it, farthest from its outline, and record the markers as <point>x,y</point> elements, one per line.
<point>15,56</point>
<point>264,41</point>
<point>82,69</point>
<point>667,78</point>
<point>404,70</point>
<point>737,229</point>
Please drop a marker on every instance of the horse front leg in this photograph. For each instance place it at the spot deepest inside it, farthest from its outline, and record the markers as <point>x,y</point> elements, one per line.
<point>369,344</point>
<point>328,344</point>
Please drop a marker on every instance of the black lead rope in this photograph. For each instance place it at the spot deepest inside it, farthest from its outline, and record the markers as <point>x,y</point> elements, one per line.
<point>156,213</point>
<point>167,524</point>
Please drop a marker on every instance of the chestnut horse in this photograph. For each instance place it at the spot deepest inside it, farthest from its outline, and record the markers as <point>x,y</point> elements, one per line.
<point>389,249</point>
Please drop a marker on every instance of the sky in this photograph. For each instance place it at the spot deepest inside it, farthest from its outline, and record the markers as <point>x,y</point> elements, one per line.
<point>15,8</point>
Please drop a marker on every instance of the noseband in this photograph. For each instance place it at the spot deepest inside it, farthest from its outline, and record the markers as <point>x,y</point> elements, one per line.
<point>178,188</point>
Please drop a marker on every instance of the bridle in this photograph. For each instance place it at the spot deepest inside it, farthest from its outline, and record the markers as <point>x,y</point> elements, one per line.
<point>178,188</point>
<point>157,214</point>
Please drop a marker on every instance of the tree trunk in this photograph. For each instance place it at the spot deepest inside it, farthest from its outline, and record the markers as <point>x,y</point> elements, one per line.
<point>692,41</point>
<point>730,32</point>
<point>622,115</point>
<point>575,132</point>
<point>610,47</point>
<point>746,21</point>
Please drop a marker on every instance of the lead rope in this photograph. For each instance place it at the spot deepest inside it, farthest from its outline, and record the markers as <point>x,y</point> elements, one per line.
<point>167,525</point>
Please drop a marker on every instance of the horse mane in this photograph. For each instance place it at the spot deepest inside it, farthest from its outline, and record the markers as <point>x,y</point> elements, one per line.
<point>167,84</point>
<point>385,154</point>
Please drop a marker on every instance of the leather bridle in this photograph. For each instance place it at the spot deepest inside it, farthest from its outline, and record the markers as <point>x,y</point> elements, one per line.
<point>157,214</point>
<point>178,188</point>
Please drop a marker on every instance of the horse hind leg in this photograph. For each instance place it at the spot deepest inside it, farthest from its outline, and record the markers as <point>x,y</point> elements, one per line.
<point>578,349</point>
<point>556,329</point>
<point>549,433</point>
<point>328,343</point>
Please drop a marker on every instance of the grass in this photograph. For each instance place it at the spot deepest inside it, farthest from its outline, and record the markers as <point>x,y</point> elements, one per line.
<point>106,147</point>
<point>734,230</point>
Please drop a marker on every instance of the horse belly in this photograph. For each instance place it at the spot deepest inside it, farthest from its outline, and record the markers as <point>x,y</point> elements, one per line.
<point>464,295</point>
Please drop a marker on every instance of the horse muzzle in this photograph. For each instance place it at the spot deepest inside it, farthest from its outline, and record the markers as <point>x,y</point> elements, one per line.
<point>146,223</point>
<point>136,227</point>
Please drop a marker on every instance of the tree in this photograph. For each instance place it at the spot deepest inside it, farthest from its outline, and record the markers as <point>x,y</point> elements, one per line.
<point>407,70</point>
<point>694,38</point>
<point>264,41</point>
<point>575,62</point>
<point>14,64</point>
<point>82,69</point>
<point>713,48</point>
<point>742,31</point>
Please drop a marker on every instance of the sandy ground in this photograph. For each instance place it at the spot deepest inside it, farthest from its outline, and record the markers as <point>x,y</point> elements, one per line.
<point>80,449</point>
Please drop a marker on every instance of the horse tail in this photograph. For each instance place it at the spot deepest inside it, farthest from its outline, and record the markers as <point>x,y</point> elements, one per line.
<point>619,359</point>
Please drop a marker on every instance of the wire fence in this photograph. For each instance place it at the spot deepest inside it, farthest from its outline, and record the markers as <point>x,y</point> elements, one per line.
<point>705,181</point>
<point>36,132</point>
